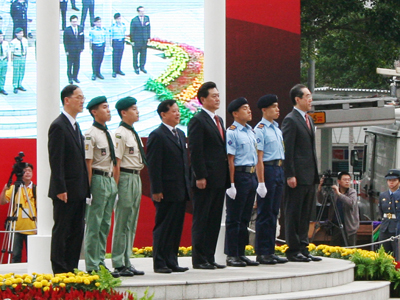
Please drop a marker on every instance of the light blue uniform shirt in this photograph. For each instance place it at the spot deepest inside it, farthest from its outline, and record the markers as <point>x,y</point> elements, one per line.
<point>98,35</point>
<point>117,31</point>
<point>241,142</point>
<point>269,140</point>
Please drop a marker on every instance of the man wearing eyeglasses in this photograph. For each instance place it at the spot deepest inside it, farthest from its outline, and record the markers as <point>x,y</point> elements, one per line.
<point>345,199</point>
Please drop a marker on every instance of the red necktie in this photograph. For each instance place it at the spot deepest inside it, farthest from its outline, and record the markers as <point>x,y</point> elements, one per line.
<point>308,122</point>
<point>219,127</point>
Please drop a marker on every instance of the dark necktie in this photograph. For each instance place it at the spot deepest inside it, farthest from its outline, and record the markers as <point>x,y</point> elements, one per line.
<point>219,126</point>
<point>109,140</point>
<point>123,124</point>
<point>1,49</point>
<point>22,48</point>
<point>175,132</point>
<point>78,133</point>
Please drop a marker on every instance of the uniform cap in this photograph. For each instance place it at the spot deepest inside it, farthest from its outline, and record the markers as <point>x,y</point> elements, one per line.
<point>19,29</point>
<point>236,104</point>
<point>124,103</point>
<point>95,101</point>
<point>393,174</point>
<point>267,100</point>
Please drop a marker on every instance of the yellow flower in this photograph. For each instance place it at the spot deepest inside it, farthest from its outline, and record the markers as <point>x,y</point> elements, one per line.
<point>97,284</point>
<point>48,276</point>
<point>46,288</point>
<point>86,281</point>
<point>62,284</point>
<point>37,285</point>
<point>39,278</point>
<point>55,280</point>
<point>8,282</point>
<point>14,285</point>
<point>96,277</point>
<point>44,282</point>
<point>28,280</point>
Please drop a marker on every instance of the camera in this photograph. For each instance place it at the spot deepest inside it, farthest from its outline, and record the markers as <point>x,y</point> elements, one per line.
<point>18,167</point>
<point>328,178</point>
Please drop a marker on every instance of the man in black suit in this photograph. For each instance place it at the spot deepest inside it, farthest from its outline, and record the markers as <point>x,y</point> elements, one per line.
<point>69,184</point>
<point>169,176</point>
<point>19,15</point>
<point>140,36</point>
<point>87,5</point>
<point>74,43</point>
<point>210,177</point>
<point>301,174</point>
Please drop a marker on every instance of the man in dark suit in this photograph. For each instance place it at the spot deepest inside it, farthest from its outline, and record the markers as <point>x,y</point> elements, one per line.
<point>74,43</point>
<point>210,177</point>
<point>169,176</point>
<point>140,36</point>
<point>69,184</point>
<point>301,174</point>
<point>87,5</point>
<point>19,15</point>
<point>63,9</point>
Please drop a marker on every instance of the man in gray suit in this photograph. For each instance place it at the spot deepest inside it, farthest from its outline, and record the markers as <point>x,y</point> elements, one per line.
<point>301,174</point>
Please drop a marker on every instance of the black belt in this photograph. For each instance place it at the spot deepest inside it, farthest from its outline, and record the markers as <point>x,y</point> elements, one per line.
<point>275,162</point>
<point>98,172</point>
<point>129,171</point>
<point>247,169</point>
<point>118,40</point>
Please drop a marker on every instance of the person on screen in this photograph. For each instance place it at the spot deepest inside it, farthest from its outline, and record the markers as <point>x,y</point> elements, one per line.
<point>87,5</point>
<point>117,33</point>
<point>140,36</point>
<point>19,15</point>
<point>4,50</point>
<point>63,9</point>
<point>74,42</point>
<point>97,42</point>
<point>19,48</point>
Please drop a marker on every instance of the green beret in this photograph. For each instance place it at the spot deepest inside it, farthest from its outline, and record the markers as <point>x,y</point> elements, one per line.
<point>125,103</point>
<point>95,101</point>
<point>18,30</point>
<point>236,104</point>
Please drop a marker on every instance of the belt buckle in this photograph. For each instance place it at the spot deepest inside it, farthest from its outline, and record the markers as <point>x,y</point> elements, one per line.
<point>252,169</point>
<point>389,215</point>
<point>279,162</point>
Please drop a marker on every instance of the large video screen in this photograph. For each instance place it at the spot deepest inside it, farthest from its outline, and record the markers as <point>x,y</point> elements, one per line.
<point>172,69</point>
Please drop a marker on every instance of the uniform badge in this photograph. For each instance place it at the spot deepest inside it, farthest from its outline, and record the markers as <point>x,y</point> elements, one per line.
<point>116,145</point>
<point>103,151</point>
<point>229,142</point>
<point>118,136</point>
<point>88,138</point>
<point>86,147</point>
<point>384,199</point>
<point>258,140</point>
<point>261,125</point>
<point>232,127</point>
<point>130,150</point>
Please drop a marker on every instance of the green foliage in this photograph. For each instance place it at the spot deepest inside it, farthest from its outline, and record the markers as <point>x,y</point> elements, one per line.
<point>161,91</point>
<point>145,296</point>
<point>106,280</point>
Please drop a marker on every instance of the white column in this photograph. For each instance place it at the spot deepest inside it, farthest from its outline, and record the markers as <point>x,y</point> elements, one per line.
<point>215,70</point>
<point>48,107</point>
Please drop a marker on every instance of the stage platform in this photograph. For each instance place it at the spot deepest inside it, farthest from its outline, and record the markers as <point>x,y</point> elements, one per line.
<point>328,279</point>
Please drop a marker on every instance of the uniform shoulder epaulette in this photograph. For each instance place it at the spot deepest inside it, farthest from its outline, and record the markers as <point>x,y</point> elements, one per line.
<point>232,127</point>
<point>261,125</point>
<point>88,138</point>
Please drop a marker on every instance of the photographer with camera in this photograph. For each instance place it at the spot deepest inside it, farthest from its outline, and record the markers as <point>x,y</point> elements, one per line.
<point>24,209</point>
<point>345,199</point>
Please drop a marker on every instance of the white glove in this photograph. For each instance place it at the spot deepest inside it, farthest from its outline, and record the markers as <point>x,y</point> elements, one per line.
<point>231,192</point>
<point>89,200</point>
<point>262,189</point>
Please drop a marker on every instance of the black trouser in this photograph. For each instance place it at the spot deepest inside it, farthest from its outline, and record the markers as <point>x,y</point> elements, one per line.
<point>390,246</point>
<point>73,61</point>
<point>85,9</point>
<point>97,57</point>
<point>142,50</point>
<point>67,234</point>
<point>118,50</point>
<point>19,240</point>
<point>63,8</point>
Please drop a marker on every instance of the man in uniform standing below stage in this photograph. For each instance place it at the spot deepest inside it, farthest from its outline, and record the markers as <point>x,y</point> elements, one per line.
<point>18,13</point>
<point>97,42</point>
<point>271,179</point>
<point>19,48</point>
<point>140,36</point>
<point>74,43</point>
<point>117,33</point>
<point>130,160</point>
<point>242,158</point>
<point>4,50</point>
<point>100,161</point>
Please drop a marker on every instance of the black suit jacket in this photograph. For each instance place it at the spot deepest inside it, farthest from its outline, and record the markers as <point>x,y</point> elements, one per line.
<point>67,162</point>
<point>168,164</point>
<point>208,151</point>
<point>74,43</point>
<point>140,34</point>
<point>300,152</point>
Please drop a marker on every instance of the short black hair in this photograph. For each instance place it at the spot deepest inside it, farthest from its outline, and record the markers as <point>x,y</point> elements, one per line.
<point>164,106</point>
<point>94,107</point>
<point>341,174</point>
<point>68,91</point>
<point>96,19</point>
<point>1,32</point>
<point>139,7</point>
<point>296,91</point>
<point>73,17</point>
<point>28,165</point>
<point>117,15</point>
<point>203,90</point>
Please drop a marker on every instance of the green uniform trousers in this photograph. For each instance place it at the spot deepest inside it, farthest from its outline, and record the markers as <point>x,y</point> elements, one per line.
<point>18,70</point>
<point>126,217</point>
<point>98,220</point>
<point>3,72</point>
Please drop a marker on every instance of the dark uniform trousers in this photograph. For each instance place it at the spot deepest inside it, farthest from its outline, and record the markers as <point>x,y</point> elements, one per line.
<point>63,8</point>
<point>209,202</point>
<point>141,49</point>
<point>268,210</point>
<point>97,57</point>
<point>87,5</point>
<point>73,61</point>
<point>118,50</point>
<point>238,213</point>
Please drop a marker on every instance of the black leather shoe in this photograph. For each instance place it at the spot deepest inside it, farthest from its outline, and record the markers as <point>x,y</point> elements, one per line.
<point>134,271</point>
<point>298,258</point>
<point>4,92</point>
<point>279,260</point>
<point>15,91</point>
<point>70,81</point>
<point>205,266</point>
<point>248,261</point>
<point>218,265</point>
<point>114,74</point>
<point>137,71</point>
<point>235,261</point>
<point>121,73</point>
<point>21,88</point>
<point>75,8</point>
<point>314,258</point>
<point>100,76</point>
<point>266,259</point>
<point>77,80</point>
<point>123,271</point>
<point>93,77</point>
<point>144,71</point>
<point>179,269</point>
<point>163,270</point>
